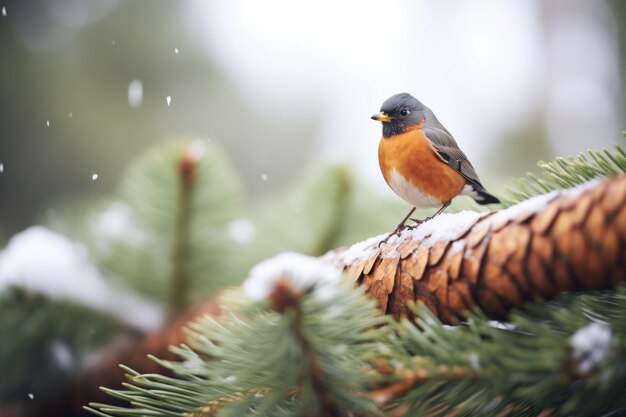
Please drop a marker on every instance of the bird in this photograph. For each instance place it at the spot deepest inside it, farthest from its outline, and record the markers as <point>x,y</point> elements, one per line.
<point>420,160</point>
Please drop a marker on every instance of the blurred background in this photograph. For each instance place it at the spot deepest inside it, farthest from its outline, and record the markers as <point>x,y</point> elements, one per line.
<point>86,85</point>
<point>271,101</point>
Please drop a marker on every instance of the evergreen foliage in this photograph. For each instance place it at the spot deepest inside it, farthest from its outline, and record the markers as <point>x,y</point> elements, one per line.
<point>155,236</point>
<point>254,363</point>
<point>566,357</point>
<point>174,243</point>
<point>314,206</point>
<point>175,204</point>
<point>39,349</point>
<point>523,367</point>
<point>327,209</point>
<point>168,235</point>
<point>307,358</point>
<point>568,172</point>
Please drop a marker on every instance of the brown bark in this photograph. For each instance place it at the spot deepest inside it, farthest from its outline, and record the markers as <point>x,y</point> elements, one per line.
<point>563,241</point>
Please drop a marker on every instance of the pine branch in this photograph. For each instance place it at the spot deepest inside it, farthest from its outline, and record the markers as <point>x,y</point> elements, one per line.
<point>231,366</point>
<point>299,353</point>
<point>535,238</point>
<point>553,356</point>
<point>179,280</point>
<point>568,172</point>
<point>569,240</point>
<point>166,234</point>
<point>36,340</point>
<point>562,241</point>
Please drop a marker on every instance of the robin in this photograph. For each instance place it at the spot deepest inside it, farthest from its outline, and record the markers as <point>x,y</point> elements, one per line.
<point>420,159</point>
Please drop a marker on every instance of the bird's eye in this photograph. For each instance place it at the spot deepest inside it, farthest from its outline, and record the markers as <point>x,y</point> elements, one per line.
<point>404,112</point>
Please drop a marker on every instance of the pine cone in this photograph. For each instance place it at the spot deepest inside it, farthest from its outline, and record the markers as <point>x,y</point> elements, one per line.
<point>562,241</point>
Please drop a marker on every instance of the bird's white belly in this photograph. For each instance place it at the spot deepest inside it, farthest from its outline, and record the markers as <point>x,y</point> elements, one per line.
<point>410,193</point>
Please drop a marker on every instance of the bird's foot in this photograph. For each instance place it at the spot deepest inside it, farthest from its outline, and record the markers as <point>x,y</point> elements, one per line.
<point>396,232</point>
<point>422,221</point>
<point>417,223</point>
<point>429,218</point>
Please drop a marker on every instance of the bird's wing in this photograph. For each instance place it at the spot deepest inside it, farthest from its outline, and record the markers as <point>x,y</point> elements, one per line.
<point>449,152</point>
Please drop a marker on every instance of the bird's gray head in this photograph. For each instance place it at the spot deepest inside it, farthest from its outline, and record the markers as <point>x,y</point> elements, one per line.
<point>399,113</point>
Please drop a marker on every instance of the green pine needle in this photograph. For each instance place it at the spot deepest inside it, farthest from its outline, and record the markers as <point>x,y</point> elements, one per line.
<point>249,362</point>
<point>568,172</point>
<point>522,367</point>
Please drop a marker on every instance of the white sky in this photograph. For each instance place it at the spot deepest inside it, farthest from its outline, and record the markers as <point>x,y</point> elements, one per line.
<point>483,66</point>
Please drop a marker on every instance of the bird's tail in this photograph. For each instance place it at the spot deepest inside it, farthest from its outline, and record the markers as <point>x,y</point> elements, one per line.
<point>476,190</point>
<point>483,197</point>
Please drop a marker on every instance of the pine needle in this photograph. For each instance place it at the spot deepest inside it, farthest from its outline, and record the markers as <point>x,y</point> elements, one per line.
<point>568,172</point>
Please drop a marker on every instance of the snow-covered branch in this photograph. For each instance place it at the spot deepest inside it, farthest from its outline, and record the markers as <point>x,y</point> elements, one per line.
<point>565,240</point>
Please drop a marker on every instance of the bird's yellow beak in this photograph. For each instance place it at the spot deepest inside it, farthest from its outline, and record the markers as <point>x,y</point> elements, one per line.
<point>382,117</point>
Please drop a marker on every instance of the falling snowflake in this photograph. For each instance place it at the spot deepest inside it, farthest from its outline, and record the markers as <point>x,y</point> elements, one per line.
<point>94,177</point>
<point>264,177</point>
<point>48,123</point>
<point>4,11</point>
<point>176,51</point>
<point>168,100</point>
<point>135,93</point>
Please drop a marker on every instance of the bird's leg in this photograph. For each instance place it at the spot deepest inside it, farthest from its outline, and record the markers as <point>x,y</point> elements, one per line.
<point>398,229</point>
<point>401,225</point>
<point>441,209</point>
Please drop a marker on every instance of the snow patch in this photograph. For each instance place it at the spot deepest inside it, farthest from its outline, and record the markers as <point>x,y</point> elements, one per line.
<point>448,226</point>
<point>444,227</point>
<point>50,264</point>
<point>303,273</point>
<point>501,325</point>
<point>591,345</point>
<point>538,203</point>
<point>532,205</point>
<point>362,250</point>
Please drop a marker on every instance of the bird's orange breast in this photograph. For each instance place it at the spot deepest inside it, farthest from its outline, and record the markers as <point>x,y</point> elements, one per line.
<point>413,158</point>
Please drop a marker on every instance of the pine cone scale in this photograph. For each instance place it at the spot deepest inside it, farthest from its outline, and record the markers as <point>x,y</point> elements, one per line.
<point>563,241</point>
